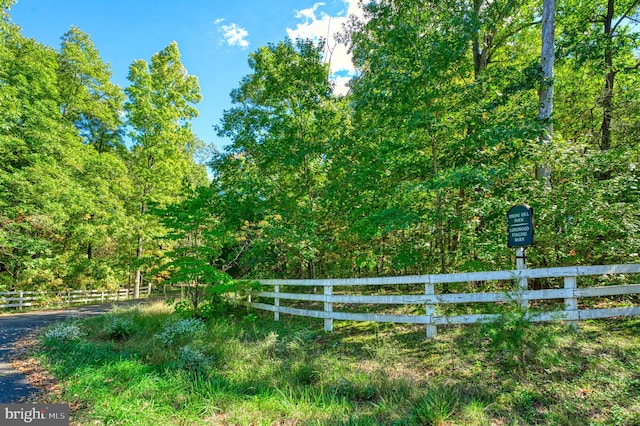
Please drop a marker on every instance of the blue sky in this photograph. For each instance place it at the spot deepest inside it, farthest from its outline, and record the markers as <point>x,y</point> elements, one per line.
<point>214,36</point>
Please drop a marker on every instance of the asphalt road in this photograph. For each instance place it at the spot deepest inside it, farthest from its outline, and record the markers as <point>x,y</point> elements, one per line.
<point>13,385</point>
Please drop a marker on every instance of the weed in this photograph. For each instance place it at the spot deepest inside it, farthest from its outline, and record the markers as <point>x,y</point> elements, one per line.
<point>290,372</point>
<point>303,373</point>
<point>184,309</point>
<point>437,406</point>
<point>192,359</point>
<point>475,412</point>
<point>119,328</point>
<point>514,334</point>
<point>358,389</point>
<point>179,330</point>
<point>63,332</point>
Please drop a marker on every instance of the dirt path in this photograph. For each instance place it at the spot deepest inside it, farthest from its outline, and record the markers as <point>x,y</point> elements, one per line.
<point>13,328</point>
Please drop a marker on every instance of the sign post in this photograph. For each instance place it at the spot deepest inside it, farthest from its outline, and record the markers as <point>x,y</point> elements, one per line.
<point>520,236</point>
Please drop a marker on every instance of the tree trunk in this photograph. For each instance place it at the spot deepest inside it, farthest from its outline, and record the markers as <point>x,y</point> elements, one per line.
<point>607,97</point>
<point>545,110</point>
<point>139,250</point>
<point>138,283</point>
<point>439,221</point>
<point>482,44</point>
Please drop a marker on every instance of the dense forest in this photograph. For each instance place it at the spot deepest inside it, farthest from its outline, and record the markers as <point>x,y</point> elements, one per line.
<point>411,172</point>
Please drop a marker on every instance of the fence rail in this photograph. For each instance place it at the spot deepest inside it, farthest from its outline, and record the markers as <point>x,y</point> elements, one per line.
<point>571,294</point>
<point>24,299</point>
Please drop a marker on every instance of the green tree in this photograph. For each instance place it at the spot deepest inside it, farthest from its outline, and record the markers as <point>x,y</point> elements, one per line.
<point>61,205</point>
<point>88,98</point>
<point>591,216</point>
<point>198,238</point>
<point>93,104</point>
<point>603,50</point>
<point>282,125</point>
<point>160,106</point>
<point>38,151</point>
<point>445,101</point>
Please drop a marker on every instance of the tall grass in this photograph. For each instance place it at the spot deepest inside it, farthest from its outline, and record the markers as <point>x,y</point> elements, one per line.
<point>142,366</point>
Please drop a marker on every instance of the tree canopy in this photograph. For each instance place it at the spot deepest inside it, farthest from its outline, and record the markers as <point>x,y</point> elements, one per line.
<point>411,172</point>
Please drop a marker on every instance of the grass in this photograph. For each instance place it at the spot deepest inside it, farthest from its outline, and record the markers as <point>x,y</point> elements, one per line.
<point>239,369</point>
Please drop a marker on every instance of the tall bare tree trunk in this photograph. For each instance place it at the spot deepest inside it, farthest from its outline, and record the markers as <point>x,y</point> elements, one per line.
<point>547,57</point>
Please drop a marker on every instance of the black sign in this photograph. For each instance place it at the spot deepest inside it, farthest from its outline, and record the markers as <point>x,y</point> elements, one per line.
<point>520,226</point>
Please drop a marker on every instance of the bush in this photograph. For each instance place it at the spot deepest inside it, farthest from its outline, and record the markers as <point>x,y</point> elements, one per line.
<point>180,329</point>
<point>184,309</point>
<point>119,328</point>
<point>516,336</point>
<point>63,332</point>
<point>192,359</point>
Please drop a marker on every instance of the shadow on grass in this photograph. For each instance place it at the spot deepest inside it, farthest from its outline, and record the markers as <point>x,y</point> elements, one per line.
<point>362,373</point>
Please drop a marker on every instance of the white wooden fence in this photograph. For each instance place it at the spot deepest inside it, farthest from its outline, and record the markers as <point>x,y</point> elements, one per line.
<point>571,294</point>
<point>23,299</point>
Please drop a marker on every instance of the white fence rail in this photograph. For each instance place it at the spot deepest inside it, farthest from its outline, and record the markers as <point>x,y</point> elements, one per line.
<point>23,299</point>
<point>571,294</point>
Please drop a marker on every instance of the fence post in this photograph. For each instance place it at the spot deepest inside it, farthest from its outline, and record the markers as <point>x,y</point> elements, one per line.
<point>68,297</point>
<point>328,307</point>
<point>523,285</point>
<point>21,300</point>
<point>571,303</point>
<point>276,303</point>
<point>430,311</point>
<point>149,290</point>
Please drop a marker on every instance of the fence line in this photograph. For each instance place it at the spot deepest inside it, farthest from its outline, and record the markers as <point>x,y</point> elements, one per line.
<point>23,299</point>
<point>570,293</point>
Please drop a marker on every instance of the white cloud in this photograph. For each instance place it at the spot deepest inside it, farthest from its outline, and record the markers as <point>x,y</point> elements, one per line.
<point>309,14</point>
<point>341,85</point>
<point>233,34</point>
<point>318,25</point>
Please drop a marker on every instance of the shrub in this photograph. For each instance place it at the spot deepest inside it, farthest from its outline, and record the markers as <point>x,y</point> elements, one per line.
<point>184,309</point>
<point>192,359</point>
<point>63,332</point>
<point>517,337</point>
<point>119,328</point>
<point>175,330</point>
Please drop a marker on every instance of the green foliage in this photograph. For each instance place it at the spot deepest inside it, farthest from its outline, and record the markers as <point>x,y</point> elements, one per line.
<point>62,206</point>
<point>437,406</point>
<point>266,372</point>
<point>274,173</point>
<point>88,99</point>
<point>192,360</point>
<point>119,328</point>
<point>180,331</point>
<point>513,335</point>
<point>437,138</point>
<point>62,332</point>
<point>409,173</point>
<point>160,105</point>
